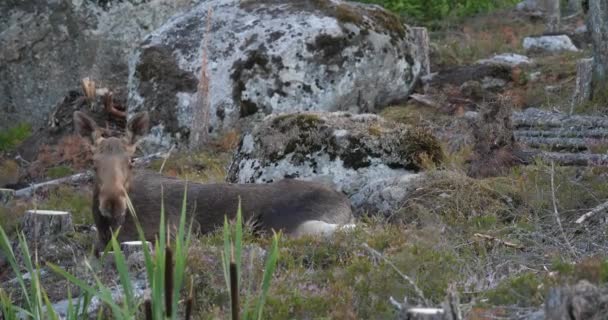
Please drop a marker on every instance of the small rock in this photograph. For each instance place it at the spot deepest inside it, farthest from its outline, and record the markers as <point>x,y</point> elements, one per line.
<point>534,76</point>
<point>527,5</point>
<point>491,83</point>
<point>508,59</point>
<point>472,89</point>
<point>581,29</point>
<point>549,43</point>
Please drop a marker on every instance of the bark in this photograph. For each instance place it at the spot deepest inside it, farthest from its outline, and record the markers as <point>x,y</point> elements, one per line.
<point>552,14</point>
<point>458,75</point>
<point>40,225</point>
<point>597,25</point>
<point>565,159</point>
<point>537,118</point>
<point>575,6</point>
<point>556,144</point>
<point>421,43</point>
<point>6,195</point>
<point>582,89</point>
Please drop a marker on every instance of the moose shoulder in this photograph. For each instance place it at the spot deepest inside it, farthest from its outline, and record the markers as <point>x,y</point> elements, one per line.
<point>293,206</point>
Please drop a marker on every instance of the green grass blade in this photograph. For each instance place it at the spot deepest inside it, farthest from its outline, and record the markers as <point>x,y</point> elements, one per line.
<point>7,249</point>
<point>50,312</point>
<point>271,264</point>
<point>238,242</point>
<point>226,253</point>
<point>123,273</point>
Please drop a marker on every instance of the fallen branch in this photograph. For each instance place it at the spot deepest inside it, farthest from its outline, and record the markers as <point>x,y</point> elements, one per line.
<point>425,100</point>
<point>79,177</point>
<point>499,241</point>
<point>591,213</point>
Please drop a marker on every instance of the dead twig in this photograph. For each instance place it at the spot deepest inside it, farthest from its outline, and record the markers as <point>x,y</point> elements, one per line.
<point>166,157</point>
<point>556,212</point>
<point>598,209</point>
<point>404,276</point>
<point>499,241</point>
<point>425,100</point>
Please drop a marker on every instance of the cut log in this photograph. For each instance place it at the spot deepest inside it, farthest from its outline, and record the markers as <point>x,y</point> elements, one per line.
<point>559,143</point>
<point>566,159</point>
<point>458,75</point>
<point>6,195</point>
<point>130,247</point>
<point>533,117</point>
<point>582,89</point>
<point>595,133</point>
<point>39,225</point>
<point>421,43</point>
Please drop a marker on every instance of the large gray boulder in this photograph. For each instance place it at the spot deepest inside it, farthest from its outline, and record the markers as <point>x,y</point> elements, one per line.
<point>271,56</point>
<point>47,47</point>
<point>362,155</point>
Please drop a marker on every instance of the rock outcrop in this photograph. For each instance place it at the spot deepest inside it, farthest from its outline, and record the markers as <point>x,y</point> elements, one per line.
<point>361,155</point>
<point>47,47</point>
<point>270,56</point>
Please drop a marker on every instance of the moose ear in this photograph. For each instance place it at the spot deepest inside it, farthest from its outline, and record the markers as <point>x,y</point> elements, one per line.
<point>138,127</point>
<point>86,127</point>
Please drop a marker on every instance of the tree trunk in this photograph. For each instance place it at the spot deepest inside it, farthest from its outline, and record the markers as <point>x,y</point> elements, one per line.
<point>6,195</point>
<point>598,27</point>
<point>421,42</point>
<point>582,89</point>
<point>575,6</point>
<point>551,9</point>
<point>39,225</point>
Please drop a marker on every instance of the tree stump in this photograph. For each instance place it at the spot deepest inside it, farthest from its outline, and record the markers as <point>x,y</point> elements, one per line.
<point>582,89</point>
<point>129,248</point>
<point>421,42</point>
<point>39,225</point>
<point>6,195</point>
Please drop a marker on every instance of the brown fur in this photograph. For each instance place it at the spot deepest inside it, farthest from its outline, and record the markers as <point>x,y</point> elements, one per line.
<point>284,205</point>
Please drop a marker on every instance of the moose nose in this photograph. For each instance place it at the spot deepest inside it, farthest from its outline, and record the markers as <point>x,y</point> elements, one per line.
<point>113,205</point>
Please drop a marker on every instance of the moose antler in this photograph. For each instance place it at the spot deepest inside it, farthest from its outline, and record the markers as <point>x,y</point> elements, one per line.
<point>111,108</point>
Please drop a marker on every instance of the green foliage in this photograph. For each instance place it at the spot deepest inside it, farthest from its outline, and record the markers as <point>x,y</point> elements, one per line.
<point>69,199</point>
<point>436,10</point>
<point>524,290</point>
<point>10,138</point>
<point>59,172</point>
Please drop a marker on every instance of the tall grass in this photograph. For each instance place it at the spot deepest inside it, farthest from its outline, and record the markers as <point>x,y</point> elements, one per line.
<point>232,265</point>
<point>165,270</point>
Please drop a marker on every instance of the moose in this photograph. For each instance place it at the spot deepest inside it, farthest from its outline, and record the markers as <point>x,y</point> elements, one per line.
<point>295,207</point>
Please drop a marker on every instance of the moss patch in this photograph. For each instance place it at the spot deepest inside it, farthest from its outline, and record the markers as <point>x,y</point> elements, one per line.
<point>59,172</point>
<point>11,137</point>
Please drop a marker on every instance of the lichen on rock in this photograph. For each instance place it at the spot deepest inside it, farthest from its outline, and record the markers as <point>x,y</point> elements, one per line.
<point>345,150</point>
<point>268,57</point>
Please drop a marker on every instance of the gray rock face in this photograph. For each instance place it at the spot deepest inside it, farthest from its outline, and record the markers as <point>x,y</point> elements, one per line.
<point>46,47</point>
<point>549,43</point>
<point>361,155</point>
<point>268,57</point>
